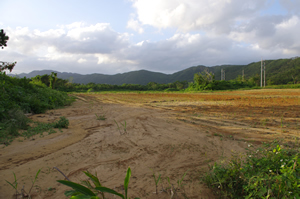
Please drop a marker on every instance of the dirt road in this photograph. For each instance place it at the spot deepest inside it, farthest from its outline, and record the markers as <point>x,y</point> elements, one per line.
<point>156,140</point>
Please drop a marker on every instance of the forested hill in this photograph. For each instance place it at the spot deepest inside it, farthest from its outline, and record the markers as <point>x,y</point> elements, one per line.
<point>281,71</point>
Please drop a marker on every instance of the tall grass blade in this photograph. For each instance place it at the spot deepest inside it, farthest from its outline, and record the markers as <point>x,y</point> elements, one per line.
<point>77,187</point>
<point>126,181</point>
<point>11,184</point>
<point>84,197</point>
<point>94,179</point>
<point>108,190</point>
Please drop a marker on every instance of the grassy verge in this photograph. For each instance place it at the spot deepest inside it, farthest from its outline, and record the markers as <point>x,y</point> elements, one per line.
<point>19,96</point>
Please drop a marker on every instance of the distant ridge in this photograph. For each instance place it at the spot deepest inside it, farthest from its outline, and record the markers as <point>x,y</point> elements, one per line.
<point>279,71</point>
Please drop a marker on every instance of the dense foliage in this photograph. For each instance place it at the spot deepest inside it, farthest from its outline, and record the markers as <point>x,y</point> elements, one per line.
<point>206,81</point>
<point>19,96</point>
<point>202,81</point>
<point>272,171</point>
<point>66,86</point>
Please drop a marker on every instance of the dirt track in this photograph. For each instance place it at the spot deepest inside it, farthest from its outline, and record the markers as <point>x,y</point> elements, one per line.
<point>160,138</point>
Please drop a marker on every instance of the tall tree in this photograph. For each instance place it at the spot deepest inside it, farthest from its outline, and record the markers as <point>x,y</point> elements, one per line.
<point>3,39</point>
<point>3,43</point>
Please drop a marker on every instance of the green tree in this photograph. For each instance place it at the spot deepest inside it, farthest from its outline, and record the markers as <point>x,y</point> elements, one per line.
<point>3,43</point>
<point>52,79</point>
<point>255,79</point>
<point>204,78</point>
<point>3,39</point>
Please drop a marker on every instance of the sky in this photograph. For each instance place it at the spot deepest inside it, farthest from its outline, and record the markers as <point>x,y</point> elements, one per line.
<point>118,36</point>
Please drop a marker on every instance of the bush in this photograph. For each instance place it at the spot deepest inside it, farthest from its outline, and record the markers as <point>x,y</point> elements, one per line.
<point>19,96</point>
<point>62,123</point>
<point>269,172</point>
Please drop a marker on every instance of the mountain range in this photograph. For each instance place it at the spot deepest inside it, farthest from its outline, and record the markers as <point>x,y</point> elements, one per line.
<point>280,71</point>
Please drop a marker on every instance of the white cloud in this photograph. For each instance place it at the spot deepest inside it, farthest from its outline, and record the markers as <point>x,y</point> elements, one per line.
<point>187,15</point>
<point>135,25</point>
<point>81,60</point>
<point>278,33</point>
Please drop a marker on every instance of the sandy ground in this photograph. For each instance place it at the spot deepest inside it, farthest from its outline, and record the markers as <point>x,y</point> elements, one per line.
<point>163,139</point>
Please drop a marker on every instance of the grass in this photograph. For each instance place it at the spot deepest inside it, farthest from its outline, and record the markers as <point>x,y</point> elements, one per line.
<point>40,127</point>
<point>156,181</point>
<point>100,117</point>
<point>37,128</point>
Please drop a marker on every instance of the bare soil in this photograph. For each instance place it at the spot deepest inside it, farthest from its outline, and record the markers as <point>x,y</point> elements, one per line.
<point>168,134</point>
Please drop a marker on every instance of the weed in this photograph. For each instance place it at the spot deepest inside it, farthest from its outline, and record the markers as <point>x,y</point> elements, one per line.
<point>156,181</point>
<point>268,172</point>
<point>63,122</point>
<point>87,191</point>
<point>23,193</point>
<point>216,134</point>
<point>180,185</point>
<point>124,127</point>
<point>100,117</point>
<point>40,127</point>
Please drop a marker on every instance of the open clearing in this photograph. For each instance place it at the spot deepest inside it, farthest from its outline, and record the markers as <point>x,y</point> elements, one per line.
<point>168,133</point>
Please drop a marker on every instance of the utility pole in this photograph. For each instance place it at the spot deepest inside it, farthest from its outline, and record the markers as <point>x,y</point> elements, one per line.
<point>264,74</point>
<point>261,73</point>
<point>222,74</point>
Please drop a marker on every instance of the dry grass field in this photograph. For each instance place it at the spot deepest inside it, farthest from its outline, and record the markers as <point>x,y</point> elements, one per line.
<point>167,133</point>
<point>254,115</point>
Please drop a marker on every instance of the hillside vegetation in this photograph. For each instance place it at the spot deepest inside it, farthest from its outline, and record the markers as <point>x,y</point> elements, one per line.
<point>21,96</point>
<point>281,71</point>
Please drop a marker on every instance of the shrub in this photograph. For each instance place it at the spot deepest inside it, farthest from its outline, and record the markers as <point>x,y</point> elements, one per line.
<point>269,172</point>
<point>63,122</point>
<point>19,96</point>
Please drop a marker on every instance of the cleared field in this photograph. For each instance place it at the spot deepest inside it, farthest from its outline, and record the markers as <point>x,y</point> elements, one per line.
<point>168,133</point>
<point>254,115</point>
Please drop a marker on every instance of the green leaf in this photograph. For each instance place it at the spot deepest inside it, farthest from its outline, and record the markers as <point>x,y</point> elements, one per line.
<point>108,190</point>
<point>84,197</point>
<point>158,179</point>
<point>77,187</point>
<point>36,175</point>
<point>126,181</point>
<point>71,193</point>
<point>10,184</point>
<point>94,179</point>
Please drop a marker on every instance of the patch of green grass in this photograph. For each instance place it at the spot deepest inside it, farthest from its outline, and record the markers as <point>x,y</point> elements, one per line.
<point>100,117</point>
<point>40,127</point>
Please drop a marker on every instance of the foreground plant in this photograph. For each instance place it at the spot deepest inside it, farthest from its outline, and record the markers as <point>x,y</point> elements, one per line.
<point>124,127</point>
<point>90,192</point>
<point>269,172</point>
<point>156,181</point>
<point>174,190</point>
<point>23,193</point>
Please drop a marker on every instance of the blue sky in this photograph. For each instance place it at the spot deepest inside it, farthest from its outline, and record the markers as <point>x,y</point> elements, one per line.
<point>116,36</point>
